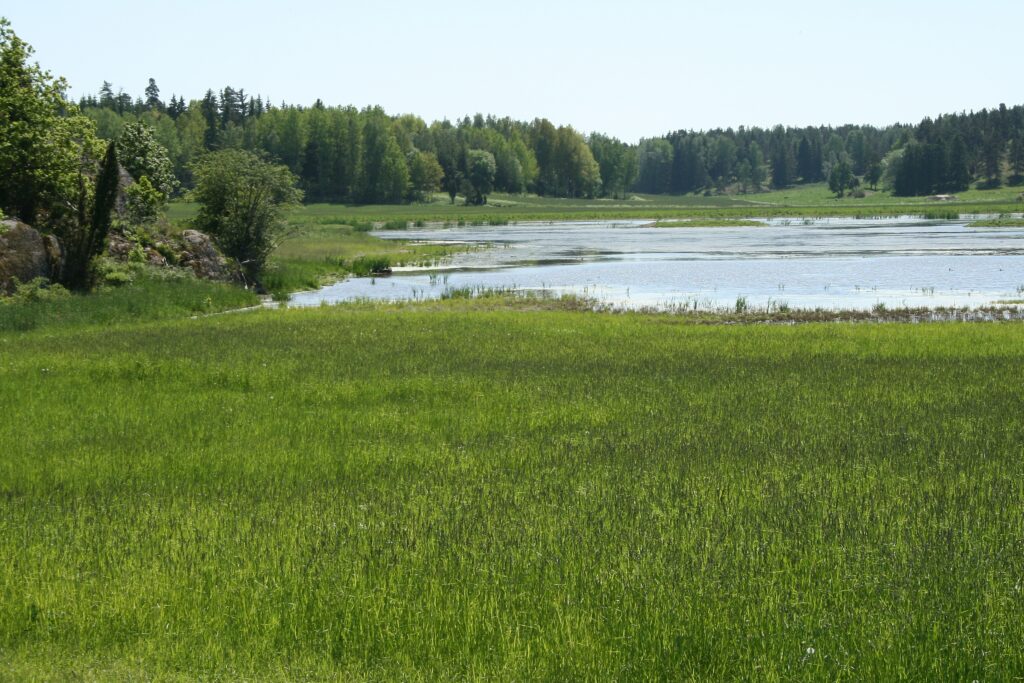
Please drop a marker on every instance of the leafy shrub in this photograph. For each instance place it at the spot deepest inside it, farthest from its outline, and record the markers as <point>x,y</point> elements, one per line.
<point>144,202</point>
<point>137,254</point>
<point>113,273</point>
<point>168,252</point>
<point>39,289</point>
<point>233,178</point>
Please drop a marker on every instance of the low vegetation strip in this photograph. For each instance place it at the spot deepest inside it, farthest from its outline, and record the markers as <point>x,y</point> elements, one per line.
<point>395,493</point>
<point>152,295</point>
<point>812,201</point>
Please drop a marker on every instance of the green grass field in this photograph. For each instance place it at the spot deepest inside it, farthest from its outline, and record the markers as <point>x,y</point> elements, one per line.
<point>478,489</point>
<point>801,201</point>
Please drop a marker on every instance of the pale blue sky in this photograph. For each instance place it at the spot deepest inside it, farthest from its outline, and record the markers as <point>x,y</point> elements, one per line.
<point>629,69</point>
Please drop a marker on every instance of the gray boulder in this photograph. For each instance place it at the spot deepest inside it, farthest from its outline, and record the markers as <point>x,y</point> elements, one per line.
<point>201,255</point>
<point>27,254</point>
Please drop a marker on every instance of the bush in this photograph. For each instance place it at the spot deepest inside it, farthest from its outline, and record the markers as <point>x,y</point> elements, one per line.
<point>143,201</point>
<point>39,289</point>
<point>112,273</point>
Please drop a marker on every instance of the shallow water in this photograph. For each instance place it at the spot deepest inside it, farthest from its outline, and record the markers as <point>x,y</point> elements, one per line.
<point>827,263</point>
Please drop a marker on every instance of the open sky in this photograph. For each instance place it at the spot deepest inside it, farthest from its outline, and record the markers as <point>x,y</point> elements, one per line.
<point>629,69</point>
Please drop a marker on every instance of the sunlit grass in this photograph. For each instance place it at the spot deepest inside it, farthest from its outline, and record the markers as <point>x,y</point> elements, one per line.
<point>445,491</point>
<point>800,201</point>
<point>148,298</point>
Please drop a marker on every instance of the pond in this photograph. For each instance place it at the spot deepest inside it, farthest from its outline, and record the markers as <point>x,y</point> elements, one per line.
<point>840,264</point>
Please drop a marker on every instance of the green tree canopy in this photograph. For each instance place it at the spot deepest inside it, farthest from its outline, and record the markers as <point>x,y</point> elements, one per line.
<point>242,202</point>
<point>840,178</point>
<point>142,156</point>
<point>46,143</point>
<point>425,174</point>
<point>480,170</point>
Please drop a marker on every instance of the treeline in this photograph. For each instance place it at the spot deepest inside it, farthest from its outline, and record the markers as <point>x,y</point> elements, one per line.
<point>944,155</point>
<point>947,154</point>
<point>342,154</point>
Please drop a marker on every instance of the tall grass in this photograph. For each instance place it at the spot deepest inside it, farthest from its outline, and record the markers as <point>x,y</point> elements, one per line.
<point>430,493</point>
<point>148,298</point>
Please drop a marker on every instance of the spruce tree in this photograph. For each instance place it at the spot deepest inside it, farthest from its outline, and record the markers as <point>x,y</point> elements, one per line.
<point>958,176</point>
<point>103,201</point>
<point>153,102</point>
<point>1017,160</point>
<point>783,164</point>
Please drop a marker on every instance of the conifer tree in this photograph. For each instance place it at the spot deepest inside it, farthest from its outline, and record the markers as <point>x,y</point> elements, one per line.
<point>153,102</point>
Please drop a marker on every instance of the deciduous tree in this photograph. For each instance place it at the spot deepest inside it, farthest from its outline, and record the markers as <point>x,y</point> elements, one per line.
<point>45,142</point>
<point>142,156</point>
<point>242,202</point>
<point>480,171</point>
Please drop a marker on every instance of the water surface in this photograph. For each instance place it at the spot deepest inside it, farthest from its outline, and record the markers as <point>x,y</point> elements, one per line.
<point>822,263</point>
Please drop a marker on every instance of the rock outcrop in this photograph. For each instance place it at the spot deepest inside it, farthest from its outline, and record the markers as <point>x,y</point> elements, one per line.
<point>27,254</point>
<point>121,248</point>
<point>201,255</point>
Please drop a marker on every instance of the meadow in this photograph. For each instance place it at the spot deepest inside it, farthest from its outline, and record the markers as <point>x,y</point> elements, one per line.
<point>152,295</point>
<point>503,489</point>
<point>814,201</point>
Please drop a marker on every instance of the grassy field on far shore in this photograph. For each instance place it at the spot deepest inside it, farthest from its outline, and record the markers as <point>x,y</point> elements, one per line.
<point>801,201</point>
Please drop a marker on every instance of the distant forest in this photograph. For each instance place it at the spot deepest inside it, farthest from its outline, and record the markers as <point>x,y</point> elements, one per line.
<point>342,154</point>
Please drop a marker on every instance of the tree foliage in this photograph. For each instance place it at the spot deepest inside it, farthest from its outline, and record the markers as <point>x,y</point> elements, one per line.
<point>841,178</point>
<point>480,171</point>
<point>46,144</point>
<point>425,174</point>
<point>85,235</point>
<point>53,172</point>
<point>242,202</point>
<point>931,167</point>
<point>143,157</point>
<point>143,202</point>
<point>346,155</point>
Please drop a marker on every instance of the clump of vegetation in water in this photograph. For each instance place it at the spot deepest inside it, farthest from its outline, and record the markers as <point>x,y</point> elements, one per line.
<point>370,265</point>
<point>1001,222</point>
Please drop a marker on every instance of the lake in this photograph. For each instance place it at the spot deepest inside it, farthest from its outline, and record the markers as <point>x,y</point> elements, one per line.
<point>822,263</point>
